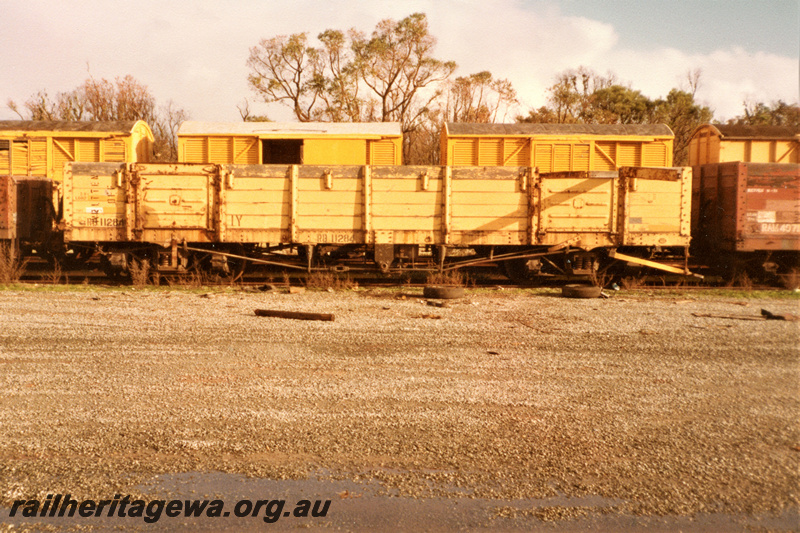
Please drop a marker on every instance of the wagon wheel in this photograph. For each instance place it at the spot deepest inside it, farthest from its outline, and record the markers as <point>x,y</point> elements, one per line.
<point>112,273</point>
<point>237,266</point>
<point>517,270</point>
<point>237,269</point>
<point>222,267</point>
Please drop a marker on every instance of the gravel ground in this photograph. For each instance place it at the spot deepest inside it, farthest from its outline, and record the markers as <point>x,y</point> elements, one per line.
<point>503,395</point>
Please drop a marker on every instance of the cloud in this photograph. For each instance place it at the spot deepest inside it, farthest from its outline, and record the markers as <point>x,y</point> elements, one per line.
<point>195,53</point>
<point>735,76</point>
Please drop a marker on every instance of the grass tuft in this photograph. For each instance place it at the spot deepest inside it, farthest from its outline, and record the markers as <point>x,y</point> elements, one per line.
<point>451,278</point>
<point>329,280</point>
<point>55,274</point>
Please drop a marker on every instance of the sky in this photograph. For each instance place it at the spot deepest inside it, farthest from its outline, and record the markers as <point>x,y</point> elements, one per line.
<point>194,52</point>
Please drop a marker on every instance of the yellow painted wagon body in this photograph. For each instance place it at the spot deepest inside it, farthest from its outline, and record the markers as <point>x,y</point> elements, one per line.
<point>716,143</point>
<point>41,148</point>
<point>310,143</point>
<point>557,147</point>
<point>343,205</point>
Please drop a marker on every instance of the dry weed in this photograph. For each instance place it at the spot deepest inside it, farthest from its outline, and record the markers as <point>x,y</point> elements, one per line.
<point>631,283</point>
<point>454,278</point>
<point>140,272</point>
<point>54,276</point>
<point>11,269</point>
<point>191,280</point>
<point>600,278</point>
<point>329,280</point>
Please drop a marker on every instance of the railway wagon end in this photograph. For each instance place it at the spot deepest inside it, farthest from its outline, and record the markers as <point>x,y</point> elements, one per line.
<point>746,217</point>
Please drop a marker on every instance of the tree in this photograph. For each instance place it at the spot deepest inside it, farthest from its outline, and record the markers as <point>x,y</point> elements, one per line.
<point>65,106</point>
<point>396,64</point>
<point>565,100</point>
<point>247,115</point>
<point>571,95</point>
<point>475,98</point>
<point>123,99</point>
<point>94,100</point>
<point>341,94</point>
<point>479,98</point>
<point>778,113</point>
<point>388,76</point>
<point>693,78</point>
<point>683,115</point>
<point>165,130</point>
<point>104,100</point>
<point>618,105</point>
<point>422,144</point>
<point>583,96</point>
<point>574,98</point>
<point>543,115</point>
<point>286,69</point>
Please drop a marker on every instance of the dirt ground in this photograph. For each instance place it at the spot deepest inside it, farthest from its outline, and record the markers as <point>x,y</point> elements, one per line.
<point>506,410</point>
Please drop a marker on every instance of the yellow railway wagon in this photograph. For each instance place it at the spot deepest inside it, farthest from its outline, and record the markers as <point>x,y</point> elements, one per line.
<point>41,148</point>
<point>557,147</point>
<point>386,210</point>
<point>717,143</point>
<point>310,143</point>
